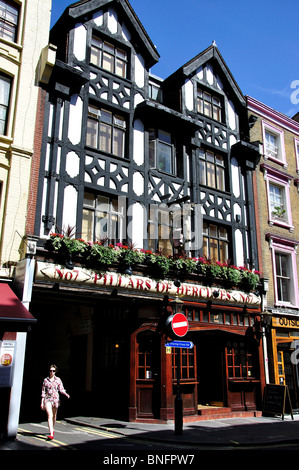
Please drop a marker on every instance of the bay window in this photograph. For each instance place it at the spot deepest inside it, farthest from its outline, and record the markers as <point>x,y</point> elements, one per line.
<point>161,151</point>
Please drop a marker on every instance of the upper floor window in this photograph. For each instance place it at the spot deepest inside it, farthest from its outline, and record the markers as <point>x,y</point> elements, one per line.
<point>208,105</point>
<point>5,85</point>
<point>161,151</point>
<point>274,144</point>
<point>9,13</point>
<point>106,131</point>
<point>211,170</point>
<point>215,242</point>
<point>103,218</point>
<point>284,270</point>
<point>155,92</point>
<point>109,57</point>
<point>297,154</point>
<point>278,194</point>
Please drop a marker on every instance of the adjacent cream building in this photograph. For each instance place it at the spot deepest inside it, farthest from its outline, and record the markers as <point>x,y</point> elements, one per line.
<point>24,32</point>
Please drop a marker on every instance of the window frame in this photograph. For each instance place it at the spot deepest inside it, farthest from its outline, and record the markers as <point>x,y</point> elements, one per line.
<point>218,239</point>
<point>155,141</point>
<point>289,248</point>
<point>282,181</point>
<point>279,134</point>
<point>106,141</point>
<point>120,213</point>
<point>9,80</point>
<point>101,49</point>
<point>296,143</point>
<point>14,25</point>
<point>240,361</point>
<point>216,167</point>
<point>209,103</point>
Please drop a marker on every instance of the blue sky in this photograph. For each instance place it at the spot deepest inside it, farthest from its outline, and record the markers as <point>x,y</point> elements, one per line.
<point>258,41</point>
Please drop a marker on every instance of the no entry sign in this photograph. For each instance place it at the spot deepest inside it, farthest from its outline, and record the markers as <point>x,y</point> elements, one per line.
<point>179,324</point>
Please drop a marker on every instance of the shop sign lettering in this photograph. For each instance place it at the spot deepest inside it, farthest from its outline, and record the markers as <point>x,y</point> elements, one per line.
<point>284,322</point>
<point>55,273</point>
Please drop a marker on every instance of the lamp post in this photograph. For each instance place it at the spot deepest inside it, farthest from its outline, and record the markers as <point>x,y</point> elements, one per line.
<point>178,403</point>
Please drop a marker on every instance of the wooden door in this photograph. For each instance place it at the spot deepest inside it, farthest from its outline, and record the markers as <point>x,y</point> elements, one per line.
<point>148,373</point>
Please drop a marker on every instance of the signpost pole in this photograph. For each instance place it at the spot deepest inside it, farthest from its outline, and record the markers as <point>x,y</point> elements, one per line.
<point>178,404</point>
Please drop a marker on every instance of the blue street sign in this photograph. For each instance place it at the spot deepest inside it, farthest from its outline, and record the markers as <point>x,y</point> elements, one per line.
<point>180,344</point>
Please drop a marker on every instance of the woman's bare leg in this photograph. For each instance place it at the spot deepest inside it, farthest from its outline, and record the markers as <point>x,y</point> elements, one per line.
<point>50,418</point>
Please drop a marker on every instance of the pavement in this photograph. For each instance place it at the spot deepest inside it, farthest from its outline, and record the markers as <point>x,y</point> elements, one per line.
<point>234,433</point>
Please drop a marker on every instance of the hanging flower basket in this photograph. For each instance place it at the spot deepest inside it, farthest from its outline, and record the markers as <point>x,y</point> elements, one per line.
<point>100,256</point>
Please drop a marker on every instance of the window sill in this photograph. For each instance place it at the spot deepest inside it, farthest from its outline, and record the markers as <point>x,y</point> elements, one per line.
<point>281,223</point>
<point>276,160</point>
<point>285,305</point>
<point>88,148</point>
<point>243,379</point>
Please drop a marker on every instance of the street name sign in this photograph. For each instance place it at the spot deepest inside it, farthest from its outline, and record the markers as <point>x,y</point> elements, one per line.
<point>180,344</point>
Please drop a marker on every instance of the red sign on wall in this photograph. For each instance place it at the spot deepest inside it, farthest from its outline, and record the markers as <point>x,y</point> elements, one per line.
<point>179,324</point>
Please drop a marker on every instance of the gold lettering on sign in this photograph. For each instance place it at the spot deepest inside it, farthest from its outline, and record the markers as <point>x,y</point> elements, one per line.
<point>284,322</point>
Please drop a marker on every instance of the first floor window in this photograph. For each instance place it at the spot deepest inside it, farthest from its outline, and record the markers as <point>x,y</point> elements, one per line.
<point>103,218</point>
<point>283,277</point>
<point>106,131</point>
<point>161,150</point>
<point>215,242</point>
<point>160,232</point>
<point>5,85</point>
<point>9,13</point>
<point>284,271</point>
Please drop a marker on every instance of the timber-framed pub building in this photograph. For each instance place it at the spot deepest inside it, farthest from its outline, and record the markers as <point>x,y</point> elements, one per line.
<point>119,153</point>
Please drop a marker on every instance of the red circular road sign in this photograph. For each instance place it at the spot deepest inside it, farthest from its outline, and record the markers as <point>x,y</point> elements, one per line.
<point>179,324</point>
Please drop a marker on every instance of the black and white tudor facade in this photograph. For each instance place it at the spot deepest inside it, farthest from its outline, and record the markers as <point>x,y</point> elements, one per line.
<point>120,149</point>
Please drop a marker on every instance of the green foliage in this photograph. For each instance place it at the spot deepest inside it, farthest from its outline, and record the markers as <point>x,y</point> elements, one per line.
<point>100,255</point>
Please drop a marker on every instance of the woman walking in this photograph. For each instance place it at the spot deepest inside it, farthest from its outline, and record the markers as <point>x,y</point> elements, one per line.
<point>51,388</point>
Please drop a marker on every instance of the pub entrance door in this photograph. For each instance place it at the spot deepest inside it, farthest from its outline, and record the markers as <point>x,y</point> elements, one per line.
<point>210,369</point>
<point>148,374</point>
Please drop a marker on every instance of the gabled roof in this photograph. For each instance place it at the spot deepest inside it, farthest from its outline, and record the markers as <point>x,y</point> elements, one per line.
<point>79,9</point>
<point>210,54</point>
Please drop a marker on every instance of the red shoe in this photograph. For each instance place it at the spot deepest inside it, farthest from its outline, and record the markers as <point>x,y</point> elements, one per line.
<point>50,437</point>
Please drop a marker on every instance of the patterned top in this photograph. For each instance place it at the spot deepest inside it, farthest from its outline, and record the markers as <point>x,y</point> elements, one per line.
<point>51,389</point>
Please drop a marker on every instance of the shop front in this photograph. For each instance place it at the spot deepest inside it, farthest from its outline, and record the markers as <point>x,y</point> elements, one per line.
<point>222,368</point>
<point>285,343</point>
<point>113,352</point>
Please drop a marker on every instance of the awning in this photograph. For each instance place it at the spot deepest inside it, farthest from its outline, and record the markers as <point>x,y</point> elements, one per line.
<point>14,316</point>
